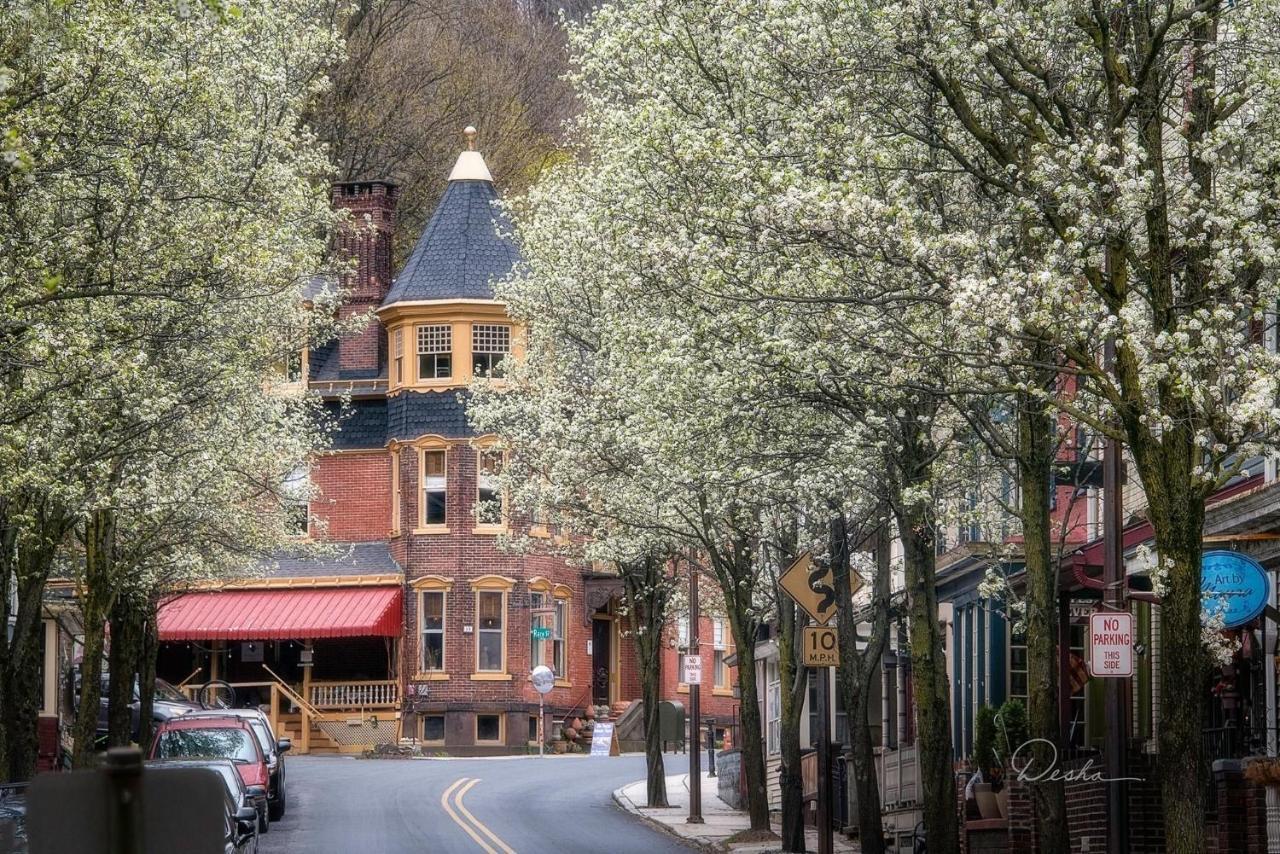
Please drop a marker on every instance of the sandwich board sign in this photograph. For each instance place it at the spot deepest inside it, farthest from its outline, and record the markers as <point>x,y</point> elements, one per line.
<point>604,741</point>
<point>1111,644</point>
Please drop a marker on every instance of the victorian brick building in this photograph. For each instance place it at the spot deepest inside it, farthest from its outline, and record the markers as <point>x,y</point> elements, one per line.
<point>422,618</point>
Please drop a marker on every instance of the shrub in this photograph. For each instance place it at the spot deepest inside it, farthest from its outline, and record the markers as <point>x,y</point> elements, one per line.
<point>1012,727</point>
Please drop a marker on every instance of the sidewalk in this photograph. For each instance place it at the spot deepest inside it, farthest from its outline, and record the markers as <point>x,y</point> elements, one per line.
<point>720,820</point>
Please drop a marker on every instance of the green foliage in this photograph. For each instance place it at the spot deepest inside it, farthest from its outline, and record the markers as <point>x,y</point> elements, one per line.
<point>1011,723</point>
<point>984,738</point>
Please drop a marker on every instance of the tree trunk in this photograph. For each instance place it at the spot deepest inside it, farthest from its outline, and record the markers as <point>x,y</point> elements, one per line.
<point>20,679</point>
<point>1184,667</point>
<point>794,680</point>
<point>147,652</point>
<point>856,672</point>
<point>928,668</point>
<point>1035,468</point>
<point>95,605</point>
<point>646,590</point>
<point>743,625</point>
<point>128,619</point>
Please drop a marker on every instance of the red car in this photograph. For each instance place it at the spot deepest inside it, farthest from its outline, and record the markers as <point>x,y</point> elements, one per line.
<point>218,738</point>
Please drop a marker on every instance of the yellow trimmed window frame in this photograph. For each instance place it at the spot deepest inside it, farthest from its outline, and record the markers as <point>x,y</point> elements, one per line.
<point>432,587</point>
<point>489,462</point>
<point>433,456</point>
<point>488,590</point>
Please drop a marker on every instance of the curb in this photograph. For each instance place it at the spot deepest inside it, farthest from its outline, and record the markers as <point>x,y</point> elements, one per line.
<point>621,801</point>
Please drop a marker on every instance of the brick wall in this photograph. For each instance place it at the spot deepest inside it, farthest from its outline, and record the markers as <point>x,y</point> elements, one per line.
<point>1241,808</point>
<point>354,500</point>
<point>717,703</point>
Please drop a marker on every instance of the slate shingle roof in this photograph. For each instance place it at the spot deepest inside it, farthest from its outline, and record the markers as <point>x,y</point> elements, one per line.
<point>348,559</point>
<point>362,425</point>
<point>441,413</point>
<point>463,250</point>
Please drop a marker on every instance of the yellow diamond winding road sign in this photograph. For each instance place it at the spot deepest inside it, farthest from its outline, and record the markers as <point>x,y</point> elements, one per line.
<point>813,588</point>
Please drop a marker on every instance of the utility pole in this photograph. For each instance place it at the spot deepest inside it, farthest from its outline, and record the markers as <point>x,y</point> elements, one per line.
<point>1113,599</point>
<point>695,760</point>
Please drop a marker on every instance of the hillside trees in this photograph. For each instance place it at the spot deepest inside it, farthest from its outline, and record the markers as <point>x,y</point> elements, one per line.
<point>150,276</point>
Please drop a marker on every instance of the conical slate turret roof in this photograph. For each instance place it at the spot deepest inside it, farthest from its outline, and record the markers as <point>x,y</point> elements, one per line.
<point>463,249</point>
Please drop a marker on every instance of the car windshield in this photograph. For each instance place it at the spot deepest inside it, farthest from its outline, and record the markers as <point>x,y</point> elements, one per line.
<point>166,691</point>
<point>222,742</point>
<point>263,733</point>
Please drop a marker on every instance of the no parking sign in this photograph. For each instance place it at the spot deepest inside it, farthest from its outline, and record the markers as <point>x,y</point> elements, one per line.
<point>1111,643</point>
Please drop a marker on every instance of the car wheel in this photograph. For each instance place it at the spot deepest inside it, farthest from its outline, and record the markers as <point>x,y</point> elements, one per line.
<point>264,823</point>
<point>276,810</point>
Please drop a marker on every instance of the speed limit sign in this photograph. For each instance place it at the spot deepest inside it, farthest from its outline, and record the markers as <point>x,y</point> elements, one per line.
<point>821,646</point>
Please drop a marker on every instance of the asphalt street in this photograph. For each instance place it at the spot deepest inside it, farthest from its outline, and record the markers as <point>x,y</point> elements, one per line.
<point>556,805</point>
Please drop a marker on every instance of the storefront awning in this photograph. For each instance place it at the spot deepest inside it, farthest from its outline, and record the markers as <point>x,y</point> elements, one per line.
<point>282,614</point>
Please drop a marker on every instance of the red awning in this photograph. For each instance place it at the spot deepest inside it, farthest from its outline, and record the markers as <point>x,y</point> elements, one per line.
<point>338,612</point>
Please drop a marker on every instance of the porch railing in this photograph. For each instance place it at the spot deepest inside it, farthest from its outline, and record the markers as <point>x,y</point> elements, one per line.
<point>370,694</point>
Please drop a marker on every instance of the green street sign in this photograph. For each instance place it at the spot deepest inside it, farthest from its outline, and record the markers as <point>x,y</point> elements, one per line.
<point>541,633</point>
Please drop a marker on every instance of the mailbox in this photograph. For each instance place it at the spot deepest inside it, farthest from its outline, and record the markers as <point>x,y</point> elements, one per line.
<point>671,721</point>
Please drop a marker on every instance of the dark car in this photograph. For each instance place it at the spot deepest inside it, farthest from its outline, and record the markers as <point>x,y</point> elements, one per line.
<point>222,737</point>
<point>168,703</point>
<point>13,817</point>
<point>273,747</point>
<point>241,825</point>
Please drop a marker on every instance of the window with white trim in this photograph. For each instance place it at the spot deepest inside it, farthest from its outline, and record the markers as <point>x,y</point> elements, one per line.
<point>431,617</point>
<point>490,344</point>
<point>720,669</point>
<point>773,709</point>
<point>296,491</point>
<point>435,351</point>
<point>488,493</point>
<point>434,487</point>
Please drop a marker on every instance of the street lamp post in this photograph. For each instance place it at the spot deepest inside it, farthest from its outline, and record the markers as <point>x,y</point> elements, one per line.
<point>695,760</point>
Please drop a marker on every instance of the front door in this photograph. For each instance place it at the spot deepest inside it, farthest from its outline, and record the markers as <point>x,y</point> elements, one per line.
<point>601,658</point>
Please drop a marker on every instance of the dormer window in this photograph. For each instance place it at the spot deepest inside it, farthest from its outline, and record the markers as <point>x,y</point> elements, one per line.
<point>435,352</point>
<point>490,344</point>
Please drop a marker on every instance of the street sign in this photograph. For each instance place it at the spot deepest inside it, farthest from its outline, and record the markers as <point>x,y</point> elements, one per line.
<point>821,646</point>
<point>692,670</point>
<point>1111,644</point>
<point>541,632</point>
<point>814,588</point>
<point>543,678</point>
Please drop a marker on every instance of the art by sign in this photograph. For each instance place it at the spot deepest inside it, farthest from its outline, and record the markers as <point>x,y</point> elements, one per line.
<point>1111,643</point>
<point>1234,589</point>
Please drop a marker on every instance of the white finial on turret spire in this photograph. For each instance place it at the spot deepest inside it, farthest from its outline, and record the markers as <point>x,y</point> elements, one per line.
<point>470,165</point>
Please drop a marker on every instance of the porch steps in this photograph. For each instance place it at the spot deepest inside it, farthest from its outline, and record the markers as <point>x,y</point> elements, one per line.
<point>321,743</point>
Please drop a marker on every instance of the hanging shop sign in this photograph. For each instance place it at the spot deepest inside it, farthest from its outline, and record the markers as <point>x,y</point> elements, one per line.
<point>1234,589</point>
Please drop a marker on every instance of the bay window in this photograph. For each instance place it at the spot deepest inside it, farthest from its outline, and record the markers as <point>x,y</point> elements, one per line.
<point>489,499</point>
<point>490,344</point>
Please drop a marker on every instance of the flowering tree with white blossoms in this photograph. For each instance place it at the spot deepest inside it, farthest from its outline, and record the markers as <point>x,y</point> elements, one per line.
<point>1121,150</point>
<point>167,209</point>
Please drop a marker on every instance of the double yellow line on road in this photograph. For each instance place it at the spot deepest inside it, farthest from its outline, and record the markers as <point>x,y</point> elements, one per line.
<point>451,801</point>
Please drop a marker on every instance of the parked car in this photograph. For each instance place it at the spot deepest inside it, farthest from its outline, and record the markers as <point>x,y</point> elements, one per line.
<point>220,737</point>
<point>241,825</point>
<point>13,817</point>
<point>169,703</point>
<point>274,748</point>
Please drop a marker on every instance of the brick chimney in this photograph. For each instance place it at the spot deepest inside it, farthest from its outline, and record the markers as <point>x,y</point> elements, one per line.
<point>367,240</point>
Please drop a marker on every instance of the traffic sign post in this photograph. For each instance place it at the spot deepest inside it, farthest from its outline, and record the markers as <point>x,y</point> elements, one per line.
<point>814,592</point>
<point>543,679</point>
